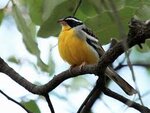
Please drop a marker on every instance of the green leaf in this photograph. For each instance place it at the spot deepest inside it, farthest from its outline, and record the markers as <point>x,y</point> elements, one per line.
<point>13,59</point>
<point>143,12</point>
<point>103,26</point>
<point>145,47</point>
<point>119,4</point>
<point>50,26</point>
<point>79,82</point>
<point>27,31</point>
<point>32,106</point>
<point>107,5</point>
<point>48,7</point>
<point>88,11</point>
<point>146,2</point>
<point>51,64</point>
<point>35,10</point>
<point>97,5</point>
<point>138,57</point>
<point>133,3</point>
<point>148,43</point>
<point>49,67</point>
<point>1,15</point>
<point>44,67</point>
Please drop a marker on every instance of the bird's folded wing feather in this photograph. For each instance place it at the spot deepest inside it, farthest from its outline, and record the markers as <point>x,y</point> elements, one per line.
<point>91,39</point>
<point>86,34</point>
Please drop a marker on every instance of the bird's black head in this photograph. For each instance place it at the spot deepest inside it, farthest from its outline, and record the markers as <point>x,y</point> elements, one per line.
<point>72,21</point>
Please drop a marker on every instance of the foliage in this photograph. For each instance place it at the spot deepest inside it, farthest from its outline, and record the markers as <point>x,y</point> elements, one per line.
<point>1,15</point>
<point>38,18</point>
<point>31,105</point>
<point>98,15</point>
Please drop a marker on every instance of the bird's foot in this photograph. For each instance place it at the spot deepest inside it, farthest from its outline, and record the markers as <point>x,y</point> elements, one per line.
<point>81,66</point>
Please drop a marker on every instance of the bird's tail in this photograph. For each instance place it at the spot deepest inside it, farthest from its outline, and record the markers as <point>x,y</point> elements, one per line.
<point>127,88</point>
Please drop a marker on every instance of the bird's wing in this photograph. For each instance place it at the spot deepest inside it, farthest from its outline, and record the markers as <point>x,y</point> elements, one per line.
<point>91,39</point>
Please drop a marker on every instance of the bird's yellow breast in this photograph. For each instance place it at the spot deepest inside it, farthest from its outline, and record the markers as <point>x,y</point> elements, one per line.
<point>75,50</point>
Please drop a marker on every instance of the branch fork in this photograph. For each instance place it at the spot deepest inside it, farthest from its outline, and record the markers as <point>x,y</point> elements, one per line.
<point>138,33</point>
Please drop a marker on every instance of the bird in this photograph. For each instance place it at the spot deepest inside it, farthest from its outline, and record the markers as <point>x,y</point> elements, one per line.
<point>78,46</point>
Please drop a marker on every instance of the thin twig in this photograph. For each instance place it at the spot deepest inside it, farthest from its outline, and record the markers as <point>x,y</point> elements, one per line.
<point>77,7</point>
<point>87,107</point>
<point>133,77</point>
<point>7,4</point>
<point>132,73</point>
<point>108,107</point>
<point>9,98</point>
<point>49,103</point>
<point>108,58</point>
<point>126,101</point>
<point>123,35</point>
<point>84,106</point>
<point>93,96</point>
<point>143,95</point>
<point>133,64</point>
<point>13,2</point>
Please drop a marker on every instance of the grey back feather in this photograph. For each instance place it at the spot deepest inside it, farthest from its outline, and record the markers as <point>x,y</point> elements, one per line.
<point>86,34</point>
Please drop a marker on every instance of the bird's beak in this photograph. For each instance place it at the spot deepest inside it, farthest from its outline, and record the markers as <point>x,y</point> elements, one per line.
<point>61,21</point>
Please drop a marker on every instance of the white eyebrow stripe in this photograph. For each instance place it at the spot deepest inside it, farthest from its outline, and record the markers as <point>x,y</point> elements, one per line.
<point>74,19</point>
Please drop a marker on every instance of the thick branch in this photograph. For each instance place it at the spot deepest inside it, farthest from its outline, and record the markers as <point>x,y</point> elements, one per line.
<point>139,32</point>
<point>52,84</point>
<point>126,101</point>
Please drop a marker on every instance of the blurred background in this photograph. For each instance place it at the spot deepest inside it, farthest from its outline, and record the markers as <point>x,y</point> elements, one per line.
<point>28,43</point>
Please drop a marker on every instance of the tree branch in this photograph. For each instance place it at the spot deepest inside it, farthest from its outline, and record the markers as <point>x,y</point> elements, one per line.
<point>93,96</point>
<point>52,84</point>
<point>138,33</point>
<point>49,103</point>
<point>138,27</point>
<point>134,64</point>
<point>9,98</point>
<point>77,7</point>
<point>126,101</point>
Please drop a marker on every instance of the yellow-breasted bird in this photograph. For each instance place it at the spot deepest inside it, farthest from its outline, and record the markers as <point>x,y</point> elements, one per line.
<point>78,45</point>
